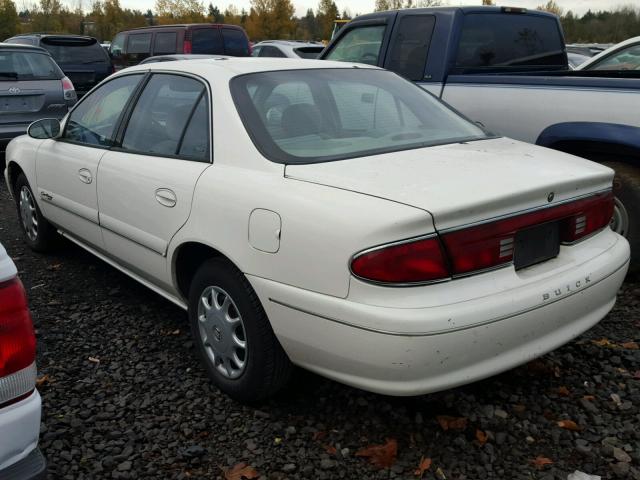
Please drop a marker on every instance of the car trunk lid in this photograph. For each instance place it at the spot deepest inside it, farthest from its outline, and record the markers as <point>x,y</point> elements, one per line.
<point>466,183</point>
<point>25,101</point>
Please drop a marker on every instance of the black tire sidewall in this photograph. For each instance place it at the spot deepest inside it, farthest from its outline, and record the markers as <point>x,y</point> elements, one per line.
<point>250,386</point>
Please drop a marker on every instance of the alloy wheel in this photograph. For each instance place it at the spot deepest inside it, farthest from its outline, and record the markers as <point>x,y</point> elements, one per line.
<point>28,213</point>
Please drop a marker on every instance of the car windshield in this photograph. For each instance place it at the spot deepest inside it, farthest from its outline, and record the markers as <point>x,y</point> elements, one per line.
<point>28,65</point>
<point>316,115</point>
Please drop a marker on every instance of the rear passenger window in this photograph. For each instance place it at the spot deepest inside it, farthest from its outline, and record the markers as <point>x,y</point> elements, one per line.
<point>235,42</point>
<point>160,117</point>
<point>195,143</point>
<point>165,43</point>
<point>94,120</point>
<point>411,46</point>
<point>207,40</point>
<point>501,40</point>
<point>270,51</point>
<point>139,43</point>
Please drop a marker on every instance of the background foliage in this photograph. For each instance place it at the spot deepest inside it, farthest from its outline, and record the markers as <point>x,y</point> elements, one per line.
<point>266,19</point>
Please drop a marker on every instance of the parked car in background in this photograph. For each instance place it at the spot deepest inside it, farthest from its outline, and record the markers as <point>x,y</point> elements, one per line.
<point>20,404</point>
<point>340,183</point>
<point>132,46</point>
<point>287,49</point>
<point>576,59</point>
<point>178,56</point>
<point>32,86</point>
<point>623,56</point>
<point>81,58</point>
<point>478,60</point>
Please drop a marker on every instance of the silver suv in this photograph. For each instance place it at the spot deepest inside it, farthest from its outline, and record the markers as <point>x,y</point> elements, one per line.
<point>32,87</point>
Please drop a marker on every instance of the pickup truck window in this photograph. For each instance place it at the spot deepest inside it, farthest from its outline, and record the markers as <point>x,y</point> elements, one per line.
<point>361,45</point>
<point>312,116</point>
<point>499,40</point>
<point>411,46</point>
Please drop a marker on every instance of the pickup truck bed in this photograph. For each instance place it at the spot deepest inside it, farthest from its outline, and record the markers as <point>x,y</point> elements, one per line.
<point>507,69</point>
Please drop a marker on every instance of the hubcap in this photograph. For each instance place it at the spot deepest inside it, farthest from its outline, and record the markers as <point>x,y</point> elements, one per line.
<point>222,332</point>
<point>620,219</point>
<point>28,213</point>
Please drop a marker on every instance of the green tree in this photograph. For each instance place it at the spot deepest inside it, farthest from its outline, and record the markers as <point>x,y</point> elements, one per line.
<point>327,14</point>
<point>8,19</point>
<point>552,7</point>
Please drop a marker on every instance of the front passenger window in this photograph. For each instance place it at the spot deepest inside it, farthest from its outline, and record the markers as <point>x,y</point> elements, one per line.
<point>361,44</point>
<point>94,120</point>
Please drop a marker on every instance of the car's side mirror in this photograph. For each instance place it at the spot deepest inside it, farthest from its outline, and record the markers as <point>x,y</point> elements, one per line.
<point>45,128</point>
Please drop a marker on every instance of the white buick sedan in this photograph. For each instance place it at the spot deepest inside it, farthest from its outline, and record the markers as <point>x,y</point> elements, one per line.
<point>327,215</point>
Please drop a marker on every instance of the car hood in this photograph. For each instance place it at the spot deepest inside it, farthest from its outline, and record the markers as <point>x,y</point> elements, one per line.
<point>464,183</point>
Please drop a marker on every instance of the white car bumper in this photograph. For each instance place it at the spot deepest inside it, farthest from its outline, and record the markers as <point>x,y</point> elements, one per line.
<point>424,339</point>
<point>20,429</point>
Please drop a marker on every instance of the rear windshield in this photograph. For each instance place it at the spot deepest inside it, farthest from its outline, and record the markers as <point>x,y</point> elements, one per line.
<point>27,66</point>
<point>75,52</point>
<point>308,52</point>
<point>235,42</point>
<point>311,116</point>
<point>510,40</point>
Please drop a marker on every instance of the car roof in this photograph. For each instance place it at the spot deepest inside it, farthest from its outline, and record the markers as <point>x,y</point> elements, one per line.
<point>183,25</point>
<point>292,43</point>
<point>59,35</point>
<point>21,46</point>
<point>234,66</point>
<point>449,9</point>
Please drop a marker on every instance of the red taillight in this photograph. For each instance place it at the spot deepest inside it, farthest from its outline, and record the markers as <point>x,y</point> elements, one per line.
<point>17,340</point>
<point>68,90</point>
<point>186,46</point>
<point>412,262</point>
<point>492,244</point>
<point>477,248</point>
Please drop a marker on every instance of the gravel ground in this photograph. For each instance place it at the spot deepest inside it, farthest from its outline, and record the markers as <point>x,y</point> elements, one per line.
<point>124,397</point>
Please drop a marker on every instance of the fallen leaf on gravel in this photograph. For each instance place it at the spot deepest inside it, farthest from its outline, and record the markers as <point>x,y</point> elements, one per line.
<point>440,474</point>
<point>616,399</point>
<point>630,346</point>
<point>240,471</point>
<point>451,423</point>
<point>381,456</point>
<point>423,466</point>
<point>481,437</point>
<point>519,408</point>
<point>94,360</point>
<point>277,441</point>
<point>569,425</point>
<point>563,391</point>
<point>54,267</point>
<point>319,435</point>
<point>42,380</point>
<point>330,449</point>
<point>540,462</point>
<point>603,342</point>
<point>589,398</point>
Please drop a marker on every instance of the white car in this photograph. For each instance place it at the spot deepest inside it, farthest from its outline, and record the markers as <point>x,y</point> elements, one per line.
<point>622,56</point>
<point>20,403</point>
<point>332,216</point>
<point>287,49</point>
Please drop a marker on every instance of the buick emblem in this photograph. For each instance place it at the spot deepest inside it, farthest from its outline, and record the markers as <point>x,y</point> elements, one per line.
<point>14,90</point>
<point>550,197</point>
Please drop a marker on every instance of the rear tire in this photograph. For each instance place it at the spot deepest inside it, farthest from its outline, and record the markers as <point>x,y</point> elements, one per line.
<point>233,336</point>
<point>626,187</point>
<point>39,234</point>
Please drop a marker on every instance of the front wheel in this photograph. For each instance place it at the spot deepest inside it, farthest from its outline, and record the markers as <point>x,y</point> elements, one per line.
<point>233,335</point>
<point>39,234</point>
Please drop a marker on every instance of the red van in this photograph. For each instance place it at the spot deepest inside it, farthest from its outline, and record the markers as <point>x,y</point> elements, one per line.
<point>132,46</point>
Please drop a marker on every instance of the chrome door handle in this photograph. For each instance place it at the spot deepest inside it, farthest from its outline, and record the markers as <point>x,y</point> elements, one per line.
<point>166,197</point>
<point>85,176</point>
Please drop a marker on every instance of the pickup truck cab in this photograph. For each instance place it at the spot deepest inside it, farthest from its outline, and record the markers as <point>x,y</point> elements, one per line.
<point>506,68</point>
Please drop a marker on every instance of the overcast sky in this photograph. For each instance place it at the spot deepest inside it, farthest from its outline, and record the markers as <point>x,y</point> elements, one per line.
<point>366,6</point>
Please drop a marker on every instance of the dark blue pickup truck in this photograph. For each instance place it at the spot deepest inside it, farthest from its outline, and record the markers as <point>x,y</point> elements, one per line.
<point>506,68</point>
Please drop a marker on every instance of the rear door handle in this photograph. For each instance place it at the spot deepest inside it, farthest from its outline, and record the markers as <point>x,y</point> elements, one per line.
<point>166,197</point>
<point>85,176</point>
